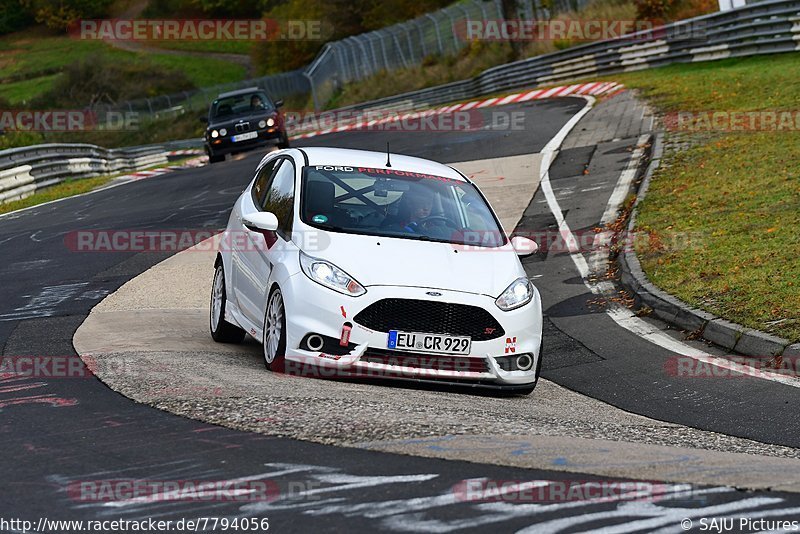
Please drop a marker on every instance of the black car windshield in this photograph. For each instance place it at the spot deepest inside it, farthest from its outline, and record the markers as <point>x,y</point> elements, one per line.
<point>231,106</point>
<point>397,203</point>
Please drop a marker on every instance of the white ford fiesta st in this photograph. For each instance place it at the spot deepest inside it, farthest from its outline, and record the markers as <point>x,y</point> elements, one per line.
<point>347,263</point>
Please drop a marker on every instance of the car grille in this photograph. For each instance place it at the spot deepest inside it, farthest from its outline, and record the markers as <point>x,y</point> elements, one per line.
<point>435,362</point>
<point>426,316</point>
<point>242,127</point>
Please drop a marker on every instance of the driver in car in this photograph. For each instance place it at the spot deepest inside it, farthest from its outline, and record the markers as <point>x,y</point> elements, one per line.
<point>256,102</point>
<point>414,213</point>
<point>419,209</point>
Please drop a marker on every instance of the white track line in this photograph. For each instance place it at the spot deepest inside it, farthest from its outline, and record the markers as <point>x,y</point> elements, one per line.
<point>621,315</point>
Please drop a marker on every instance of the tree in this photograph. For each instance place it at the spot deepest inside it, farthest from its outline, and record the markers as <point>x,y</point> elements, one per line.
<point>61,14</point>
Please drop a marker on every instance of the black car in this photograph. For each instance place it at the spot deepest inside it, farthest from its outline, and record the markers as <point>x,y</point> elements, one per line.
<point>242,120</point>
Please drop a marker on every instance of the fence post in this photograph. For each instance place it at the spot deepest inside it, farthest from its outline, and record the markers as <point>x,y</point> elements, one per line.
<point>399,49</point>
<point>407,31</point>
<point>314,97</point>
<point>438,34</point>
<point>421,33</point>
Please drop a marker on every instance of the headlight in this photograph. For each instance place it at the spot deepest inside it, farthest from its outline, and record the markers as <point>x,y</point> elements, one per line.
<point>223,132</point>
<point>519,293</point>
<point>214,134</point>
<point>330,276</point>
<point>262,124</point>
<point>270,122</point>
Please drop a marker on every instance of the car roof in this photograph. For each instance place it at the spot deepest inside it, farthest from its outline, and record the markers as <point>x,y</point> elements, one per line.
<point>239,92</point>
<point>377,160</point>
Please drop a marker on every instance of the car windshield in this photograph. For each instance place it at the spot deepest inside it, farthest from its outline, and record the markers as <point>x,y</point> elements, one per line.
<point>397,203</point>
<point>231,106</point>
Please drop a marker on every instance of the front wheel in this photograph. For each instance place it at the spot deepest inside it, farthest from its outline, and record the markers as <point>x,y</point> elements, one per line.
<point>275,332</point>
<point>216,158</point>
<point>284,141</point>
<point>221,330</point>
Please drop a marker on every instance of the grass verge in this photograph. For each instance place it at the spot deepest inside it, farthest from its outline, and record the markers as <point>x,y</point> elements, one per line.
<point>65,189</point>
<point>71,188</point>
<point>29,58</point>
<point>722,215</point>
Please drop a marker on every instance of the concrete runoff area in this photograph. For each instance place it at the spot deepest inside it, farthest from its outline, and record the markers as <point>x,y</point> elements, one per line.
<point>150,342</point>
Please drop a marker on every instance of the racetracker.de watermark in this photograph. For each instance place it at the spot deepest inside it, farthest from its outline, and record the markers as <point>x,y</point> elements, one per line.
<point>151,491</point>
<point>66,120</point>
<point>180,240</point>
<point>65,366</point>
<point>205,240</point>
<point>200,30</point>
<point>577,30</point>
<point>550,491</point>
<point>732,366</point>
<point>733,121</point>
<point>298,122</point>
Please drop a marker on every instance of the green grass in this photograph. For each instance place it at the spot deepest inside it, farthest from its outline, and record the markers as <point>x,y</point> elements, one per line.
<point>203,72</point>
<point>723,216</point>
<point>32,55</point>
<point>62,190</point>
<point>219,47</point>
<point>25,90</point>
<point>755,83</point>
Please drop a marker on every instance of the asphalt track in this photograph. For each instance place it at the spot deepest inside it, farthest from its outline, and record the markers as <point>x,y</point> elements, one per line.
<point>58,431</point>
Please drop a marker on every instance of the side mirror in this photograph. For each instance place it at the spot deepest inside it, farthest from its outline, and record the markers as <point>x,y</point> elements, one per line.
<point>279,103</point>
<point>204,119</point>
<point>524,246</point>
<point>261,221</point>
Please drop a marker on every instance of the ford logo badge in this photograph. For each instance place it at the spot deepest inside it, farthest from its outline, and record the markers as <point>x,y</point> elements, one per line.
<point>434,293</point>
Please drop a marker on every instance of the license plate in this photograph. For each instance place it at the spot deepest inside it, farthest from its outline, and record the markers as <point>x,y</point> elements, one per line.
<point>433,343</point>
<point>244,136</point>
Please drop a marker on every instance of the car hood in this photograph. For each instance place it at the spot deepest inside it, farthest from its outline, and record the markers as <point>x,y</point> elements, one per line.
<point>227,122</point>
<point>385,261</point>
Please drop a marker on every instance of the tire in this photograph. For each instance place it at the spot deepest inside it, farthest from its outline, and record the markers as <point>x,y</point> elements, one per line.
<point>284,142</point>
<point>221,330</point>
<point>216,159</point>
<point>274,339</point>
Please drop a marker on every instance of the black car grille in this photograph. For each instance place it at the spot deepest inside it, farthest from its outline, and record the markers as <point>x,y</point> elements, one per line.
<point>410,315</point>
<point>242,127</point>
<point>435,362</point>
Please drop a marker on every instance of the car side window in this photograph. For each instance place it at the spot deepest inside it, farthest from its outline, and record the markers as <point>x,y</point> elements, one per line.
<point>280,198</point>
<point>262,181</point>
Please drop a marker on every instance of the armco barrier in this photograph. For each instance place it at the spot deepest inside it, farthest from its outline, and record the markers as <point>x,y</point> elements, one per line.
<point>767,27</point>
<point>760,27</point>
<point>26,170</point>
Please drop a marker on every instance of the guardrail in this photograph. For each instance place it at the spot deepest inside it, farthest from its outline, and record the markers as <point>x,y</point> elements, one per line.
<point>357,57</point>
<point>25,170</point>
<point>767,27</point>
<point>731,33</point>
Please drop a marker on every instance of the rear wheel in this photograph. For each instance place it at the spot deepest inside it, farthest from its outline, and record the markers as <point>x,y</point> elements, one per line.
<point>221,330</point>
<point>275,332</point>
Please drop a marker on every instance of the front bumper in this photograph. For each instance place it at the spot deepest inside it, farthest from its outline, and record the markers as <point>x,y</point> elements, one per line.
<point>312,308</point>
<point>225,146</point>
